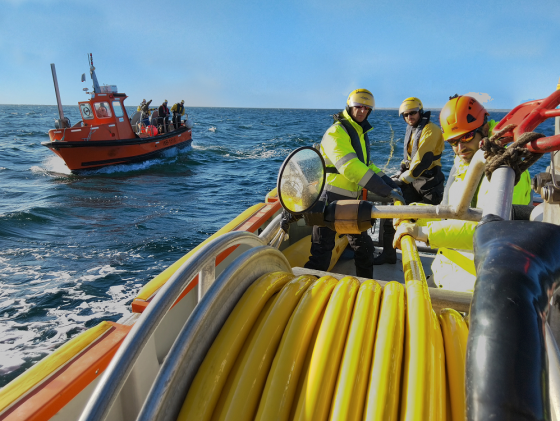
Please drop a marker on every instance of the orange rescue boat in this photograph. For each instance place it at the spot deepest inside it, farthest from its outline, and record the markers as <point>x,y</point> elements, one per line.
<point>105,135</point>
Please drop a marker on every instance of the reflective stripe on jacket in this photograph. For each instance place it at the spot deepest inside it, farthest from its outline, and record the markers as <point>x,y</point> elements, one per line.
<point>428,152</point>
<point>351,159</point>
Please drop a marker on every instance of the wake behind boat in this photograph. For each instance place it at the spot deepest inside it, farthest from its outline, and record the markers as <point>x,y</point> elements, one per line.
<point>105,135</point>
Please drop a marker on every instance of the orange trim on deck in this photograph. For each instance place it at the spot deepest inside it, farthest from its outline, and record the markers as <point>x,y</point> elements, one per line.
<point>250,225</point>
<point>50,396</point>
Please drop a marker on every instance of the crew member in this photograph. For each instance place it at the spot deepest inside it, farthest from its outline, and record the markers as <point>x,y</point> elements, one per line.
<point>464,122</point>
<point>346,150</point>
<point>420,178</point>
<point>178,110</point>
<point>102,111</point>
<point>163,113</point>
<point>144,108</point>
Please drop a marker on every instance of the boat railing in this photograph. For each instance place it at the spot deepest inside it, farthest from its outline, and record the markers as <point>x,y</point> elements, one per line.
<point>168,392</point>
<point>202,264</point>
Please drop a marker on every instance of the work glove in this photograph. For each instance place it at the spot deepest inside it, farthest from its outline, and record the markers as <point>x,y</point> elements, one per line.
<point>405,228</point>
<point>396,194</point>
<point>287,219</point>
<point>315,215</point>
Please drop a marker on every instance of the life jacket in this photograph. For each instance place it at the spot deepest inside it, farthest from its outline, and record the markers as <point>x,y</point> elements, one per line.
<point>414,134</point>
<point>179,108</point>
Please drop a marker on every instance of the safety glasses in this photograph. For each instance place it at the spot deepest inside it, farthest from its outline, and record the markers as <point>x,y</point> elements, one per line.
<point>412,113</point>
<point>467,137</point>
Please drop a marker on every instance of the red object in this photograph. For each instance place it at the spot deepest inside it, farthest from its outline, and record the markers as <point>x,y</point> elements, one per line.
<point>528,116</point>
<point>152,131</point>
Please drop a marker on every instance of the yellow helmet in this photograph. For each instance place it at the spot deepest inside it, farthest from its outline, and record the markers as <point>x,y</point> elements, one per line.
<point>411,104</point>
<point>361,97</point>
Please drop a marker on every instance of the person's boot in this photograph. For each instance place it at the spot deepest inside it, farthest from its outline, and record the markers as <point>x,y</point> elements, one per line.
<point>389,254</point>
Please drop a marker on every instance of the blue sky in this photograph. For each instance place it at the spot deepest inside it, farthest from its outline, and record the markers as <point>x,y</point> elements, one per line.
<point>290,54</point>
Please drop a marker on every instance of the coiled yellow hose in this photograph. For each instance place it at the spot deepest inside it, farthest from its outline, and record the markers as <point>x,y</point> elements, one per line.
<point>308,349</point>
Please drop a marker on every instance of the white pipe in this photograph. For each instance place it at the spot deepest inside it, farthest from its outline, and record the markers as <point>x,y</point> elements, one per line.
<point>500,194</point>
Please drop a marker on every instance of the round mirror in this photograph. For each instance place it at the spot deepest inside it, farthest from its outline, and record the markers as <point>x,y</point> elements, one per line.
<point>301,180</point>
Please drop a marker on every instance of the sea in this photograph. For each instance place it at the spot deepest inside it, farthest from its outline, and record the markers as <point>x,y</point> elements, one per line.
<point>76,249</point>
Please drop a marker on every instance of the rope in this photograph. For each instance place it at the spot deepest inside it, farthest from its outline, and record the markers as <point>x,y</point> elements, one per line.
<point>516,156</point>
<point>392,144</point>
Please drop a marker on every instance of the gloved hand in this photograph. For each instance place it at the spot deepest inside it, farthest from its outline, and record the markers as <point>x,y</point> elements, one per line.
<point>400,183</point>
<point>413,230</point>
<point>287,219</point>
<point>397,195</point>
<point>315,215</point>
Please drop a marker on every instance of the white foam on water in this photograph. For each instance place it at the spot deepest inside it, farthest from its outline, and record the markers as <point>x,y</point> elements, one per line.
<point>51,165</point>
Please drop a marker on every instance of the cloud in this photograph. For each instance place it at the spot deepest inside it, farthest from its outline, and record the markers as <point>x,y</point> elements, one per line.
<point>480,97</point>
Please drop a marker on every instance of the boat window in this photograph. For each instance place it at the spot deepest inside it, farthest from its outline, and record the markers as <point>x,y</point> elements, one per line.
<point>102,110</point>
<point>87,113</point>
<point>117,109</point>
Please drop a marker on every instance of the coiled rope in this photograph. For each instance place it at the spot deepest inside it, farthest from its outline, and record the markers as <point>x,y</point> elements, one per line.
<point>516,156</point>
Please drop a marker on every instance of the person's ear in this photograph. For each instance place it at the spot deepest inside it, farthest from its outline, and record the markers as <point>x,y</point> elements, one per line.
<point>485,129</point>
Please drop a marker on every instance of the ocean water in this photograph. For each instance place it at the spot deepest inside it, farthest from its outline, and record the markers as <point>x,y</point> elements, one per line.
<point>76,249</point>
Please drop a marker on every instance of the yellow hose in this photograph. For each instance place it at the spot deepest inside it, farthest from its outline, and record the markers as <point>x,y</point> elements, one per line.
<point>279,391</point>
<point>212,374</point>
<point>315,399</point>
<point>415,403</point>
<point>351,386</point>
<point>455,334</point>
<point>382,402</point>
<point>241,395</point>
<point>417,354</point>
<point>438,388</point>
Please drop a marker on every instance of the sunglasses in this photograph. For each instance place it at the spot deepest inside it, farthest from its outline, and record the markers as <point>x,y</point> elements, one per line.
<point>405,115</point>
<point>360,107</point>
<point>467,137</point>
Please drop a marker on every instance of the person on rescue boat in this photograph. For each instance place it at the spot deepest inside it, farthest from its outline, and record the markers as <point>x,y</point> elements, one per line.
<point>420,177</point>
<point>345,148</point>
<point>464,122</point>
<point>178,110</point>
<point>102,111</point>
<point>163,113</point>
<point>144,108</point>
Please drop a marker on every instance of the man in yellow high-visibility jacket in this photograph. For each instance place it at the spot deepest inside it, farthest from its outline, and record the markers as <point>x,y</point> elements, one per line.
<point>464,123</point>
<point>346,150</point>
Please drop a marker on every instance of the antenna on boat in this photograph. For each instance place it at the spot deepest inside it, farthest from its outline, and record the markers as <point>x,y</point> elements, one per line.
<point>62,121</point>
<point>96,87</point>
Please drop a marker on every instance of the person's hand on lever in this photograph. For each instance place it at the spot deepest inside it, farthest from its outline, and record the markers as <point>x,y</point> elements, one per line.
<point>396,194</point>
<point>407,228</point>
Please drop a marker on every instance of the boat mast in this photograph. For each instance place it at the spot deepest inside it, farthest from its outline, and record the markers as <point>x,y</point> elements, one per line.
<point>59,103</point>
<point>96,87</point>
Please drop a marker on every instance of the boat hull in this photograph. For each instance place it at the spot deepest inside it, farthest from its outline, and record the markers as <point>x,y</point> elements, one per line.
<point>87,155</point>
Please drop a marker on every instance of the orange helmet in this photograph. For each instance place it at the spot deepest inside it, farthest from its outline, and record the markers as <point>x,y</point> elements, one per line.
<point>461,115</point>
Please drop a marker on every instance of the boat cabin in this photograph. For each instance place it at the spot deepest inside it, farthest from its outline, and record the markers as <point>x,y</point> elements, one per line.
<point>104,117</point>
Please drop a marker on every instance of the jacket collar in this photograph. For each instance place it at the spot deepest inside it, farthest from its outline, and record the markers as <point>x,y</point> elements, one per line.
<point>362,127</point>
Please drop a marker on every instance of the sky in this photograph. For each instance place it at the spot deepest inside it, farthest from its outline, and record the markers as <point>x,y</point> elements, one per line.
<point>281,54</point>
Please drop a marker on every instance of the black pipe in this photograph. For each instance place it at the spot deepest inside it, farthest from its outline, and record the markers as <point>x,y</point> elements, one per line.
<point>518,268</point>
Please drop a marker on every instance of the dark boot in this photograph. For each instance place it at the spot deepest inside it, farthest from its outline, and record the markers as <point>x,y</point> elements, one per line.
<point>389,254</point>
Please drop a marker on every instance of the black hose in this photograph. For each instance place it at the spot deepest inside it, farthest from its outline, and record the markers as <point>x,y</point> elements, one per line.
<point>518,268</point>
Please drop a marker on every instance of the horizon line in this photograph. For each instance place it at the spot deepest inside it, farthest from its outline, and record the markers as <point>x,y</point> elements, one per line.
<point>271,108</point>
